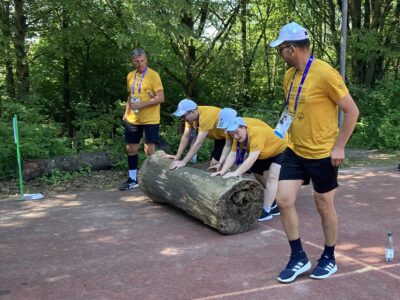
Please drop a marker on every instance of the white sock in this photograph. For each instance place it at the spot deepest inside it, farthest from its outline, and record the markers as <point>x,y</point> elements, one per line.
<point>132,174</point>
<point>267,208</point>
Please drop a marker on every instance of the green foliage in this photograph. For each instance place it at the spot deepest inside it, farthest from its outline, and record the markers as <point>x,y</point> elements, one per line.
<point>56,176</point>
<point>39,137</point>
<point>379,124</point>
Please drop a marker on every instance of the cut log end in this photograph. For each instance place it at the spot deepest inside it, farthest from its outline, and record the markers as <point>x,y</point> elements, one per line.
<point>240,207</point>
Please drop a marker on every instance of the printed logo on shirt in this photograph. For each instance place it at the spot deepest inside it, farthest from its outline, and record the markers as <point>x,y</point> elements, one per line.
<point>300,116</point>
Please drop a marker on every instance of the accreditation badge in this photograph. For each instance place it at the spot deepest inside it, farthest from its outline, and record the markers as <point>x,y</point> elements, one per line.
<point>284,123</point>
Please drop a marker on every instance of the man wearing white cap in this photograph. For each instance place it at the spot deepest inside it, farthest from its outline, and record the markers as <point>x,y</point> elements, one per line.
<point>269,177</point>
<point>200,123</point>
<point>314,91</point>
<point>264,153</point>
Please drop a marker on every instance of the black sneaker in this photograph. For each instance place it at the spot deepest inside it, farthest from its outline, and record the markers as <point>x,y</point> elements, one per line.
<point>274,204</point>
<point>294,268</point>
<point>398,168</point>
<point>129,184</point>
<point>275,211</point>
<point>325,268</point>
<point>265,216</point>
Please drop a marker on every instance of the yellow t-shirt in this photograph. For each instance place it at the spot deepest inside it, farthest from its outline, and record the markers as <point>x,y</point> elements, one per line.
<point>263,139</point>
<point>150,83</point>
<point>315,126</point>
<point>208,120</point>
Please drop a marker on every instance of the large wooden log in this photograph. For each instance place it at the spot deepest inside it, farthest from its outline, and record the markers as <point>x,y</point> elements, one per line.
<point>228,205</point>
<point>37,167</point>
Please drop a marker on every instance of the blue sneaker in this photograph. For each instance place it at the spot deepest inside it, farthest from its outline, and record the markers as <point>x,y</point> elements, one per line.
<point>275,211</point>
<point>294,268</point>
<point>265,216</point>
<point>325,268</point>
<point>129,184</point>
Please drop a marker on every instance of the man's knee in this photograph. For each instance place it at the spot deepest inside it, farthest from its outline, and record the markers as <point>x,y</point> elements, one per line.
<point>132,149</point>
<point>325,203</point>
<point>149,149</point>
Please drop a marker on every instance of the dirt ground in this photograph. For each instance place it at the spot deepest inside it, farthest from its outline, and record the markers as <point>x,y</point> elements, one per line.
<point>100,243</point>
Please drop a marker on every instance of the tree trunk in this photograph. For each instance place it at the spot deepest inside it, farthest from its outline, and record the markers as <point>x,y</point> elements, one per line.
<point>6,41</point>
<point>228,205</point>
<point>22,67</point>
<point>38,167</point>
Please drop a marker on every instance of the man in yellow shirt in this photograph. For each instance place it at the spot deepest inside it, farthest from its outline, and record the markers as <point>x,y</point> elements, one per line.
<point>142,113</point>
<point>200,123</point>
<point>314,92</point>
<point>269,177</point>
<point>264,153</point>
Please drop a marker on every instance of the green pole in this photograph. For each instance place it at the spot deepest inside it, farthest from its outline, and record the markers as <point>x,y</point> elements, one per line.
<point>16,140</point>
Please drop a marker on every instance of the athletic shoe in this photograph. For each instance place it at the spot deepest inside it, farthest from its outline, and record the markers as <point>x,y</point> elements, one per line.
<point>294,268</point>
<point>274,204</point>
<point>265,216</point>
<point>129,184</point>
<point>398,168</point>
<point>325,268</point>
<point>275,211</point>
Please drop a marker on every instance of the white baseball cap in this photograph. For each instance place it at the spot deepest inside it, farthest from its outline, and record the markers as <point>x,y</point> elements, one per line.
<point>290,32</point>
<point>225,116</point>
<point>235,123</point>
<point>184,106</point>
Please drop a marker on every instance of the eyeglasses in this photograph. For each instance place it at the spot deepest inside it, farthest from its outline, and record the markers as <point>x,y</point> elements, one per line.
<point>186,114</point>
<point>280,49</point>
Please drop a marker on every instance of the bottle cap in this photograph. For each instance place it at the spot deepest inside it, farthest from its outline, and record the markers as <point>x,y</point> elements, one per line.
<point>389,233</point>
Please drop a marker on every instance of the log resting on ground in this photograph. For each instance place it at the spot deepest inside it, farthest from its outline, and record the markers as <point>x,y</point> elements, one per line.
<point>229,205</point>
<point>37,167</point>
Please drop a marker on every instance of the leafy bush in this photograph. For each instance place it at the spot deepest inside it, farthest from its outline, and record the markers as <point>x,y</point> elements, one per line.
<point>379,123</point>
<point>39,137</point>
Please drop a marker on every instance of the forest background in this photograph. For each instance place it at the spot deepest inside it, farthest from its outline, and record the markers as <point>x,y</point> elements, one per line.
<point>63,66</point>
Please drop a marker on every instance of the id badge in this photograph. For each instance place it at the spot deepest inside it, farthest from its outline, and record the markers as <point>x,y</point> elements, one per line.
<point>284,124</point>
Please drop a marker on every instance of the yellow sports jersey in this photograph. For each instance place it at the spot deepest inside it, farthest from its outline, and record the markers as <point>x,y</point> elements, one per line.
<point>315,126</point>
<point>263,139</point>
<point>149,84</point>
<point>208,120</point>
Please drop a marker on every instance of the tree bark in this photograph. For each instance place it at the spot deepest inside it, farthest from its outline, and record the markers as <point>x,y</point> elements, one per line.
<point>228,205</point>
<point>7,38</point>
<point>22,67</point>
<point>38,167</point>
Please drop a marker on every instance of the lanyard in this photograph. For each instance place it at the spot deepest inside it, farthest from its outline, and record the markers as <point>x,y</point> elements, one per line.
<point>240,154</point>
<point>303,78</point>
<point>194,131</point>
<point>140,82</point>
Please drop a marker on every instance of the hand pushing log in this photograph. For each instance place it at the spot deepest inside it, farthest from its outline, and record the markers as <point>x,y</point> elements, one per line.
<point>228,205</point>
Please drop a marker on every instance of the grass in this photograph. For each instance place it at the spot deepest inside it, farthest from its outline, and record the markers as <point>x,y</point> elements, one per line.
<point>357,158</point>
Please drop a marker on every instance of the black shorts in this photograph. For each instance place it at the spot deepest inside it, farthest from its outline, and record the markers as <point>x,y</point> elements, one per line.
<point>261,165</point>
<point>134,133</point>
<point>320,171</point>
<point>218,147</point>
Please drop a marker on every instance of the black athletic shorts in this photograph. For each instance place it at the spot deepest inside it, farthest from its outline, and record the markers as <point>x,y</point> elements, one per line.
<point>261,165</point>
<point>218,147</point>
<point>320,171</point>
<point>134,133</point>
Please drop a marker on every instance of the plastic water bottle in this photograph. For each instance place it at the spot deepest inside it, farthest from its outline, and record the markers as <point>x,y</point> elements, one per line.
<point>133,100</point>
<point>389,250</point>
